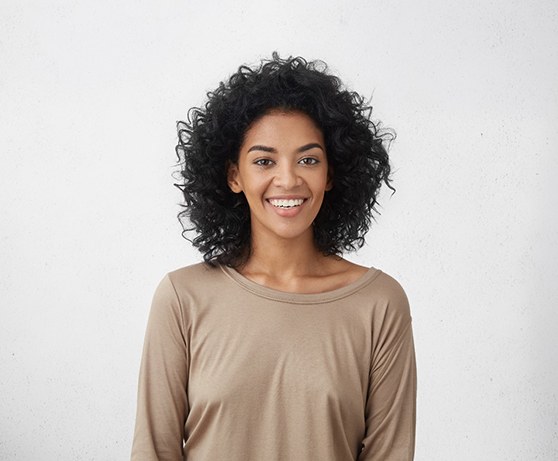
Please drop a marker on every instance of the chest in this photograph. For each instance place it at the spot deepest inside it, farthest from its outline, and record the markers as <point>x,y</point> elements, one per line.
<point>304,357</point>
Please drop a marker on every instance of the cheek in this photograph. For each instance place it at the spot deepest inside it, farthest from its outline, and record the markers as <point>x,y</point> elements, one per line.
<point>321,183</point>
<point>255,187</point>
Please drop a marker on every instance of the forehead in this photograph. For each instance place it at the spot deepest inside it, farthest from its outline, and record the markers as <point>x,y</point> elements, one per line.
<point>283,127</point>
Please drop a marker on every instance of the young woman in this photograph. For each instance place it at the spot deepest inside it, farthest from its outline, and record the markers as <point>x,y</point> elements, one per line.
<point>275,347</point>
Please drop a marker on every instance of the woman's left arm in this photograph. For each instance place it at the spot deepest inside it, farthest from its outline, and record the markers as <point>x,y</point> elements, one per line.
<point>392,386</point>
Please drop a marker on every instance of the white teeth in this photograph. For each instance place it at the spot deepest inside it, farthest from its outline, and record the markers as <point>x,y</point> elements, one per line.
<point>286,203</point>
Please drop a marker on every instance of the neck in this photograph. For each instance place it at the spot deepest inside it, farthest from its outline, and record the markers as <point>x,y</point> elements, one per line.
<point>283,258</point>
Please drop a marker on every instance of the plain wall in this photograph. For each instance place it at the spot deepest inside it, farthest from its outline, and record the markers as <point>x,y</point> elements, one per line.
<point>89,96</point>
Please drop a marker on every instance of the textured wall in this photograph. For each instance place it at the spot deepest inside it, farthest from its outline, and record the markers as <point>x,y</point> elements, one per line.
<point>89,95</point>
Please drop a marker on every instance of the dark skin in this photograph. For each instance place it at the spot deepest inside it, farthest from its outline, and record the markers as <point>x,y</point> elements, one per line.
<point>283,171</point>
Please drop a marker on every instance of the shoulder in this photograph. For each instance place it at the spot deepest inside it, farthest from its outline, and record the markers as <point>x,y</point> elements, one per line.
<point>194,273</point>
<point>389,287</point>
<point>391,303</point>
<point>194,281</point>
<point>185,288</point>
<point>391,317</point>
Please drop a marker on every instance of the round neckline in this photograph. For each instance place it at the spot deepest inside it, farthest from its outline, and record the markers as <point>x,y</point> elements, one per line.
<point>301,298</point>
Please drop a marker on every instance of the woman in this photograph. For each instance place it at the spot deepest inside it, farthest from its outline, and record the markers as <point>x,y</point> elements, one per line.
<point>275,347</point>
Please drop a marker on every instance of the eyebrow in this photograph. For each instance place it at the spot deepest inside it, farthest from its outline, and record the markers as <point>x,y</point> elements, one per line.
<point>272,150</point>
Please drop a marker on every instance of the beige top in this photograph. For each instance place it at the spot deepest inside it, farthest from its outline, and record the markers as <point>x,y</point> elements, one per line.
<point>236,371</point>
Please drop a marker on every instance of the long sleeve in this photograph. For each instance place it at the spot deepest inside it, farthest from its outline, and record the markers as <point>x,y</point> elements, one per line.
<point>391,401</point>
<point>162,405</point>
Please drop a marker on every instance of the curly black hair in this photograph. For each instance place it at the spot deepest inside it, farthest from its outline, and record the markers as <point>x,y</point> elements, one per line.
<point>211,138</point>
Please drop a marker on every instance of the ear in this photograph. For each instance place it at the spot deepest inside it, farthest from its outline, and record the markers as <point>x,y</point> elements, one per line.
<point>329,183</point>
<point>233,179</point>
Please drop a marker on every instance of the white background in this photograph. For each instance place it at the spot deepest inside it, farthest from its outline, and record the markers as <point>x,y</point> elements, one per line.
<point>90,93</point>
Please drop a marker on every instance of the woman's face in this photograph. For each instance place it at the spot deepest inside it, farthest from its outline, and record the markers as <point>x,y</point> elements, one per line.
<point>283,171</point>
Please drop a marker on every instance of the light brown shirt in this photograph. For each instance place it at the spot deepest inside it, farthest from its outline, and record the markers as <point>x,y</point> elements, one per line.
<point>236,371</point>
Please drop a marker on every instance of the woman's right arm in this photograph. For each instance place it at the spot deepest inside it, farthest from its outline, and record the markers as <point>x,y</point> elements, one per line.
<point>162,405</point>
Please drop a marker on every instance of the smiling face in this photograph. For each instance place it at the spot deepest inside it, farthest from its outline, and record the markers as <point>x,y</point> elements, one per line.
<point>282,170</point>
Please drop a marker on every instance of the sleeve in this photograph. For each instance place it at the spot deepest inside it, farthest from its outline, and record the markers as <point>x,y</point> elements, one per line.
<point>162,404</point>
<point>390,411</point>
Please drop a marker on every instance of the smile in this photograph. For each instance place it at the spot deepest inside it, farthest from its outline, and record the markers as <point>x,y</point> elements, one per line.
<point>291,203</point>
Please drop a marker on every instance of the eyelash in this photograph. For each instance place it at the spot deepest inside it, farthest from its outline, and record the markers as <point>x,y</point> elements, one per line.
<point>303,161</point>
<point>260,162</point>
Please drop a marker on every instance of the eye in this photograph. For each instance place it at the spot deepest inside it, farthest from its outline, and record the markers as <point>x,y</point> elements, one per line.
<point>309,161</point>
<point>263,162</point>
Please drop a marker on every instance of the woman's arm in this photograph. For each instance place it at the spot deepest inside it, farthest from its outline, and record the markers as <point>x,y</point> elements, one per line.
<point>162,390</point>
<point>391,402</point>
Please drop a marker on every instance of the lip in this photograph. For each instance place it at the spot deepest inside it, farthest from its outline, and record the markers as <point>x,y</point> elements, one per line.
<point>286,212</point>
<point>286,197</point>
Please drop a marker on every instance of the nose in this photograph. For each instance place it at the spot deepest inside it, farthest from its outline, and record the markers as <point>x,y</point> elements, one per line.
<point>286,176</point>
